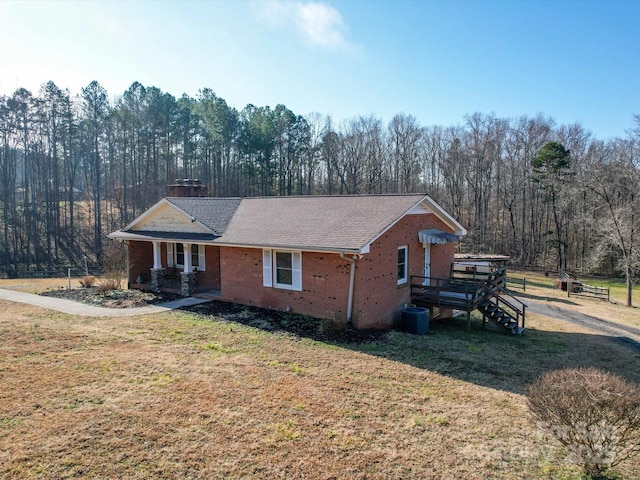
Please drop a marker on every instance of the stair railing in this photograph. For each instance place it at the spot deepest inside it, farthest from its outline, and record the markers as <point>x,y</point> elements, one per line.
<point>504,298</point>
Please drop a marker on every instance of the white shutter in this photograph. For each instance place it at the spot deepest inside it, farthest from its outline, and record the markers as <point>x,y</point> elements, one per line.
<point>201,257</point>
<point>170,255</point>
<point>267,275</point>
<point>296,267</point>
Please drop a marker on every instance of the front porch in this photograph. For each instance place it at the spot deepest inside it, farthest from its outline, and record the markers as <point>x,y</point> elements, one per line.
<point>174,286</point>
<point>181,268</point>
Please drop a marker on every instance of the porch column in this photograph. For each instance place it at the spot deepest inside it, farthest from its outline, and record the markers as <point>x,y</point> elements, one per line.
<point>157,256</point>
<point>157,272</point>
<point>188,276</point>
<point>188,268</point>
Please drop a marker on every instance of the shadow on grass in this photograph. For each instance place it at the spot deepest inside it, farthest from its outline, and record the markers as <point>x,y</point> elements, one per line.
<point>488,357</point>
<point>492,358</point>
<point>536,283</point>
<point>543,298</point>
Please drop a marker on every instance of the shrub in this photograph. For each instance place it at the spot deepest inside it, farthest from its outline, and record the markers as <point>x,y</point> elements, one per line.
<point>87,281</point>
<point>331,326</point>
<point>114,262</point>
<point>595,415</point>
<point>108,285</point>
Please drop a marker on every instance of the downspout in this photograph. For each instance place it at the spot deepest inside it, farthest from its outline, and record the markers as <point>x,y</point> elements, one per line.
<point>352,282</point>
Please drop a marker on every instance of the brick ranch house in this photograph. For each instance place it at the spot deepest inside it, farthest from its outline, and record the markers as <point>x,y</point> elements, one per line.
<point>345,258</point>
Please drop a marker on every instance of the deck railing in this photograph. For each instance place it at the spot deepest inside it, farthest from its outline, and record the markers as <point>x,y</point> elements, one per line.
<point>445,292</point>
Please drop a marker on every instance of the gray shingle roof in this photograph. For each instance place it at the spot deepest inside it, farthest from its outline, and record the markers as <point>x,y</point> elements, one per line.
<point>334,223</point>
<point>214,213</point>
<point>323,222</point>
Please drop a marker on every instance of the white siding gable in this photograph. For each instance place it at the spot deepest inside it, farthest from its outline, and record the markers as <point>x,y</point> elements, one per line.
<point>419,210</point>
<point>167,218</point>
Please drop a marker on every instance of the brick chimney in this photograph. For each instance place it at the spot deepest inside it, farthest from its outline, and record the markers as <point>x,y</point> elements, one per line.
<point>188,187</point>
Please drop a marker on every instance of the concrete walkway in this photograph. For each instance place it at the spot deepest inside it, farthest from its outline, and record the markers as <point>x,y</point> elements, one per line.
<point>77,308</point>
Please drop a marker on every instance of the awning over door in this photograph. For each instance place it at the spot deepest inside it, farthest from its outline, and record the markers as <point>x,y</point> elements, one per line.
<point>437,237</point>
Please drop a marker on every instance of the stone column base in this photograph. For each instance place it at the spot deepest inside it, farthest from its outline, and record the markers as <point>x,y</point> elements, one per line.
<point>157,277</point>
<point>188,283</point>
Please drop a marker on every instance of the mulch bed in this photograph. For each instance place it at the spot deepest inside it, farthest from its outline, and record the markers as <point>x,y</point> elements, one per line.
<point>276,321</point>
<point>113,298</point>
<point>262,318</point>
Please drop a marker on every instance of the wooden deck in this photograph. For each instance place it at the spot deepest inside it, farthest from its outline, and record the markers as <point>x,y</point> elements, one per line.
<point>488,296</point>
<point>445,292</point>
<point>453,293</point>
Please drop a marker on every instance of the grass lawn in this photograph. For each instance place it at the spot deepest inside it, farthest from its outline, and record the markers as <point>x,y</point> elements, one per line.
<point>618,288</point>
<point>540,287</point>
<point>39,285</point>
<point>181,395</point>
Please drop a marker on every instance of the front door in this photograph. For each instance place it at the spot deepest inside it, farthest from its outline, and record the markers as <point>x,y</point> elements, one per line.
<point>426,271</point>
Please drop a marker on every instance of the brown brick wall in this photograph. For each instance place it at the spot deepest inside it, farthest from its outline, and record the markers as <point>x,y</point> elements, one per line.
<point>325,283</point>
<point>378,297</point>
<point>140,259</point>
<point>211,276</point>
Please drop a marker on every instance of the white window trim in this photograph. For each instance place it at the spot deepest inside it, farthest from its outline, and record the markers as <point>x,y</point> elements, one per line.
<point>270,272</point>
<point>172,257</point>
<point>405,278</point>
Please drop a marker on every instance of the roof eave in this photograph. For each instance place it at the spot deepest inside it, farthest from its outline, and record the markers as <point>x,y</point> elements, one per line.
<point>302,248</point>
<point>122,235</point>
<point>437,210</point>
<point>445,216</point>
<point>144,215</point>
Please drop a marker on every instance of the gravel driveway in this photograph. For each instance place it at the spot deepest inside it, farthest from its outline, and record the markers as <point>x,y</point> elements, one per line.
<point>623,334</point>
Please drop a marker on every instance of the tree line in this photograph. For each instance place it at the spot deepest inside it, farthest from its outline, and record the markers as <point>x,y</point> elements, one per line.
<point>75,167</point>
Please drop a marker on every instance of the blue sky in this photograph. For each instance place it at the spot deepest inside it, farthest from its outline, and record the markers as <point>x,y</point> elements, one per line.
<point>576,61</point>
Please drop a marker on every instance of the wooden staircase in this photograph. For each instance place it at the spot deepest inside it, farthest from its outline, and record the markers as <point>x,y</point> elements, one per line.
<point>497,305</point>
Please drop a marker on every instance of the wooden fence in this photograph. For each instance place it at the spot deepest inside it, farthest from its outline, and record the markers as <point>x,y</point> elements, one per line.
<point>518,282</point>
<point>577,287</point>
<point>603,293</point>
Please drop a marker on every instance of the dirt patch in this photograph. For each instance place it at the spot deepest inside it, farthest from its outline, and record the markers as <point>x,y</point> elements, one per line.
<point>111,299</point>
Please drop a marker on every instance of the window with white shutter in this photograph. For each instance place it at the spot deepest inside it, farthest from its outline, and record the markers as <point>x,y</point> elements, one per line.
<point>282,269</point>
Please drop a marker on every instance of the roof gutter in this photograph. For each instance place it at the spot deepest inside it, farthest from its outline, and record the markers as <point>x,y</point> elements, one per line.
<point>352,282</point>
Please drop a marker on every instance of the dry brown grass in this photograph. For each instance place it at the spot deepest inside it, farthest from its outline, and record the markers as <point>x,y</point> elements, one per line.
<point>182,396</point>
<point>39,285</point>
